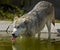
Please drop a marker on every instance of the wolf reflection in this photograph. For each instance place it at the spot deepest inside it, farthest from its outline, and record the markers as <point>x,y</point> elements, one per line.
<point>34,21</point>
<point>32,44</point>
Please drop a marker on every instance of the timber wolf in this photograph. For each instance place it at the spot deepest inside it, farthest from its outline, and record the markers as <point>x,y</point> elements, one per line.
<point>34,21</point>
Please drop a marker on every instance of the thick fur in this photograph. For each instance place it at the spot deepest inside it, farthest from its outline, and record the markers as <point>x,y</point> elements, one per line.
<point>35,20</point>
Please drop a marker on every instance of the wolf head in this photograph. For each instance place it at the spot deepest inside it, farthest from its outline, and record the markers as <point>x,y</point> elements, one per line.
<point>19,27</point>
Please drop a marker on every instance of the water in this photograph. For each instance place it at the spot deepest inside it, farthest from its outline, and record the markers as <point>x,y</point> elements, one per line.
<point>28,43</point>
<point>5,43</point>
<point>35,44</point>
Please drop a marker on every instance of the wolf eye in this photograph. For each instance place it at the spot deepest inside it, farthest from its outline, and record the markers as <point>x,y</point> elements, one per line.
<point>17,26</point>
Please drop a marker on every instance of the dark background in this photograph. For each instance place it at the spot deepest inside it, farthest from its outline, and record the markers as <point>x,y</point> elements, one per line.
<point>56,4</point>
<point>27,5</point>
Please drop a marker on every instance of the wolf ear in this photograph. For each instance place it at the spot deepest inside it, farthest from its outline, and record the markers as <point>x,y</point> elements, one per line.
<point>25,22</point>
<point>16,18</point>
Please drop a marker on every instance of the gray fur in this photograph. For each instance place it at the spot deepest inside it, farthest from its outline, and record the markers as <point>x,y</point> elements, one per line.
<point>35,20</point>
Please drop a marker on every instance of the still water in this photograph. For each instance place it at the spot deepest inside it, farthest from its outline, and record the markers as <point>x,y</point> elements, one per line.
<point>5,43</point>
<point>28,43</point>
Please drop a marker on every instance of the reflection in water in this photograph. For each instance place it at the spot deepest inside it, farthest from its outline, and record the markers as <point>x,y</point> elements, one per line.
<point>35,44</point>
<point>5,43</point>
<point>28,43</point>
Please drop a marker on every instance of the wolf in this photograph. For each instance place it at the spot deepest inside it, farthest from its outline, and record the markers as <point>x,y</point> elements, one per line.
<point>34,21</point>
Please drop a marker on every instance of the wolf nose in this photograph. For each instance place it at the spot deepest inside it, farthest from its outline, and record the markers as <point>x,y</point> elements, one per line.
<point>14,35</point>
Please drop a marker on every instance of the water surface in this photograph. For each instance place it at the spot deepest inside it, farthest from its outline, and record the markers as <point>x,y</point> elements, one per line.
<point>28,43</point>
<point>35,44</point>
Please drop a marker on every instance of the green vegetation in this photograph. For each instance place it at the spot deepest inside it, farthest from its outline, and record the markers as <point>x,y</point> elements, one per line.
<point>9,14</point>
<point>11,8</point>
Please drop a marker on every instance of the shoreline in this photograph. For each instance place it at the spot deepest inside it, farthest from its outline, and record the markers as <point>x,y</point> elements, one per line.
<point>4,25</point>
